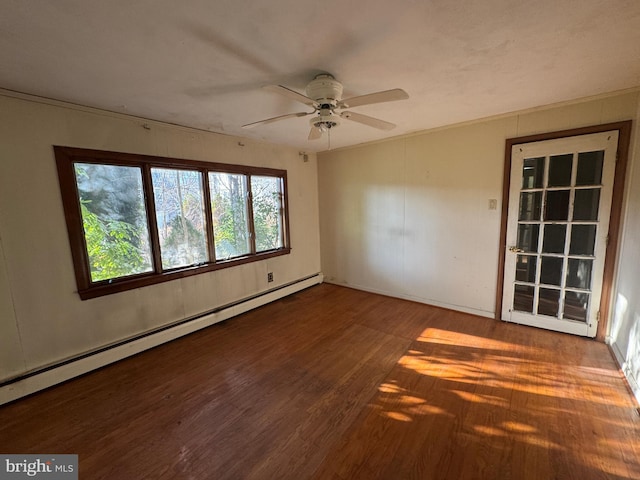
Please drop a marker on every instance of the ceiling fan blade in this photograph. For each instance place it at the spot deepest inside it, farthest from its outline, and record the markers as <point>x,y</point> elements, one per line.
<point>377,97</point>
<point>315,133</point>
<point>292,94</point>
<point>276,119</point>
<point>367,120</point>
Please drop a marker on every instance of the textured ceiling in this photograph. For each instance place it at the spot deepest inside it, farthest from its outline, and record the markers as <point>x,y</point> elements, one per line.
<point>201,63</point>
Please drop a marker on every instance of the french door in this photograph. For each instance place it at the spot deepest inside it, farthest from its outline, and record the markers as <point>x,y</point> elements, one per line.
<point>558,220</point>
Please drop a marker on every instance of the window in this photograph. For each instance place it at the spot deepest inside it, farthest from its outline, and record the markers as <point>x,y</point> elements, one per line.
<point>138,220</point>
<point>114,220</point>
<point>180,218</point>
<point>229,212</point>
<point>267,212</point>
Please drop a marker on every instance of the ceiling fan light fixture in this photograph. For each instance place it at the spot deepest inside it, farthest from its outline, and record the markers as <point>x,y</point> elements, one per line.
<point>325,122</point>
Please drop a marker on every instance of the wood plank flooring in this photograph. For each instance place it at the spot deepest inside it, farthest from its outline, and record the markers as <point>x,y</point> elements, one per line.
<point>333,383</point>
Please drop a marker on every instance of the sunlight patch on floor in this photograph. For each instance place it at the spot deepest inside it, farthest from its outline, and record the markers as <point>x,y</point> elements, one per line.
<point>401,417</point>
<point>491,431</point>
<point>445,337</point>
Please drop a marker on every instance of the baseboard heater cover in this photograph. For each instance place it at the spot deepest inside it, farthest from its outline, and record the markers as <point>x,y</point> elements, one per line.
<point>43,378</point>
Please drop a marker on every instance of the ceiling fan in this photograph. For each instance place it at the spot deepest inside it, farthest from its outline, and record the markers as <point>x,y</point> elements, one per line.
<point>324,95</point>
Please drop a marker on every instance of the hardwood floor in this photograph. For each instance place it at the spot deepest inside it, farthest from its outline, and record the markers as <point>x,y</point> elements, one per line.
<point>333,383</point>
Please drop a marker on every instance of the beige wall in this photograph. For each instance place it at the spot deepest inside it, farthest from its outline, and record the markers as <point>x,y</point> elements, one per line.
<point>410,217</point>
<point>42,319</point>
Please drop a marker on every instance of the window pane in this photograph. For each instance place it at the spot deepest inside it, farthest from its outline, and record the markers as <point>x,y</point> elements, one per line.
<point>554,238</point>
<point>532,173</point>
<point>585,206</point>
<point>528,237</point>
<point>560,170</point>
<point>180,216</point>
<point>590,168</point>
<point>575,306</point>
<point>530,206</point>
<point>114,220</point>
<point>523,298</point>
<point>551,270</point>
<point>229,210</point>
<point>583,240</point>
<point>557,206</point>
<point>526,268</point>
<point>548,301</point>
<point>579,273</point>
<point>267,212</point>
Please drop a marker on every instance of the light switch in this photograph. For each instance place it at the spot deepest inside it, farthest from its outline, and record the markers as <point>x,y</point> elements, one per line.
<point>493,204</point>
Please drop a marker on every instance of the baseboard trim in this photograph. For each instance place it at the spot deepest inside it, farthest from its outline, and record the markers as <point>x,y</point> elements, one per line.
<point>413,298</point>
<point>51,375</point>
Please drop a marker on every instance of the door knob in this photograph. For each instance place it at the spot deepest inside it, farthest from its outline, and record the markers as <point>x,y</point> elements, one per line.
<point>515,249</point>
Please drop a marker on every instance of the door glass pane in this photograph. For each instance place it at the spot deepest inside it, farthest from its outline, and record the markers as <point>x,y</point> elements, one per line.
<point>179,200</point>
<point>114,220</point>
<point>551,270</point>
<point>590,168</point>
<point>523,298</point>
<point>579,273</point>
<point>229,211</point>
<point>548,302</point>
<point>585,206</point>
<point>575,305</point>
<point>557,206</point>
<point>583,239</point>
<point>554,238</point>
<point>526,268</point>
<point>533,173</point>
<point>528,237</point>
<point>560,170</point>
<point>530,206</point>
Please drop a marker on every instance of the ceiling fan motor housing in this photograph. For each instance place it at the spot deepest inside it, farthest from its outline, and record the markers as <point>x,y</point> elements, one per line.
<point>325,89</point>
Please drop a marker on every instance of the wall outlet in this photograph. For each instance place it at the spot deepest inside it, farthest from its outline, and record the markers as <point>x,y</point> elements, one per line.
<point>270,277</point>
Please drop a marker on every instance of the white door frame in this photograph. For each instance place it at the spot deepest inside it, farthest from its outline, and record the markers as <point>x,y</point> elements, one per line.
<point>624,135</point>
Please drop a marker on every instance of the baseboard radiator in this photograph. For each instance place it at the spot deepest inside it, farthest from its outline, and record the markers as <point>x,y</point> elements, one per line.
<point>51,375</point>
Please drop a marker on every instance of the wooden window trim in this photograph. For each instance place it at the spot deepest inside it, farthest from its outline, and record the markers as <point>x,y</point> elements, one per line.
<point>615,217</point>
<point>65,159</point>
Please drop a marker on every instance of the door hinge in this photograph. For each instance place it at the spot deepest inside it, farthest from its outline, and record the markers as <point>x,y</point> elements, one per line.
<point>598,317</point>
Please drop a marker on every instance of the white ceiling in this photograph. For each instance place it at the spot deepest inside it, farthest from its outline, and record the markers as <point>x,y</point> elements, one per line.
<point>201,63</point>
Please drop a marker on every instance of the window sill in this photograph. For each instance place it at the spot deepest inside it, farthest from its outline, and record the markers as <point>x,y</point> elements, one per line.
<point>121,285</point>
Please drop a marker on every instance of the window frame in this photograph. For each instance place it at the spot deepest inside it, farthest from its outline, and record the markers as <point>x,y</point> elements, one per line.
<point>66,157</point>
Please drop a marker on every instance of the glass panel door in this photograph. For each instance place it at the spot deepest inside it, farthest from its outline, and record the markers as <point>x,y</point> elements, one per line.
<point>559,203</point>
